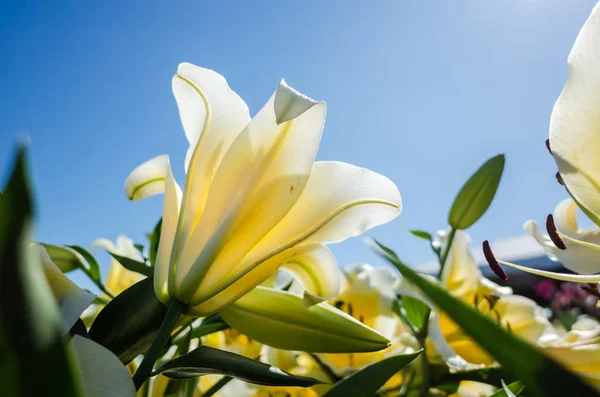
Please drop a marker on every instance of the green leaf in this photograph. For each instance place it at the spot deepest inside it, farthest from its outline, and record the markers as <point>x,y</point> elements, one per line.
<point>539,373</point>
<point>133,265</point>
<point>476,195</point>
<point>513,390</point>
<point>422,234</point>
<point>67,259</point>
<point>94,267</point>
<point>368,380</point>
<point>206,360</point>
<point>139,247</point>
<point>416,311</point>
<point>490,375</point>
<point>34,354</point>
<point>154,240</point>
<point>129,323</point>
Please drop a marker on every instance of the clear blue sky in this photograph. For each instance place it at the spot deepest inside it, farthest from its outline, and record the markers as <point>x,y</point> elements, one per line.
<point>420,91</point>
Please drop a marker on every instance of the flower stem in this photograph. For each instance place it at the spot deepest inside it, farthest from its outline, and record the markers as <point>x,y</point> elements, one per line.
<point>175,311</point>
<point>446,251</point>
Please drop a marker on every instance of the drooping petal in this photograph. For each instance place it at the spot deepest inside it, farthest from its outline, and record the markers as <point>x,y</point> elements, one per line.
<point>575,119</point>
<point>171,206</point>
<point>103,373</point>
<point>147,179</point>
<point>71,299</point>
<point>339,201</point>
<point>576,257</point>
<point>259,180</point>
<point>317,270</point>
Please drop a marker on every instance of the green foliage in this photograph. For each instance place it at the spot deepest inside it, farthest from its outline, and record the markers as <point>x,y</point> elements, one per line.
<point>94,267</point>
<point>514,389</point>
<point>206,360</point>
<point>65,258</point>
<point>476,195</point>
<point>154,240</point>
<point>129,323</point>
<point>416,311</point>
<point>541,375</point>
<point>369,379</point>
<point>133,265</point>
<point>34,354</point>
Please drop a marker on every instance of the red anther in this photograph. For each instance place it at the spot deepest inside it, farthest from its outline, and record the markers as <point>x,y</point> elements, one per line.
<point>492,261</point>
<point>551,229</point>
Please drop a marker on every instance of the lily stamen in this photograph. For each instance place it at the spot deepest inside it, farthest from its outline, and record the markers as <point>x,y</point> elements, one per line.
<point>548,146</point>
<point>579,242</point>
<point>559,179</point>
<point>553,233</point>
<point>495,265</point>
<point>492,261</point>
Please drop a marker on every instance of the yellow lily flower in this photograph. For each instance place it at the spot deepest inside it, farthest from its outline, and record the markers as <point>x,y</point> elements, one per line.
<point>574,122</point>
<point>102,372</point>
<point>254,199</point>
<point>119,278</point>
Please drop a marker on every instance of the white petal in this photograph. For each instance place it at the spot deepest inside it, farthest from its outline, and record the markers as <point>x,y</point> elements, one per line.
<point>169,224</point>
<point>147,179</point>
<point>290,104</point>
<point>202,92</point>
<point>565,217</point>
<point>317,270</point>
<point>575,118</point>
<point>461,275</point>
<point>258,181</point>
<point>103,373</point>
<point>340,201</point>
<point>71,299</point>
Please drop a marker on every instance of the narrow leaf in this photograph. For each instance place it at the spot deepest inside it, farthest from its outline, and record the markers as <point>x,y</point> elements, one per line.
<point>154,240</point>
<point>133,265</point>
<point>67,259</point>
<point>34,356</point>
<point>421,234</point>
<point>94,267</point>
<point>368,380</point>
<point>129,323</point>
<point>539,373</point>
<point>217,386</point>
<point>416,311</point>
<point>206,360</point>
<point>511,390</point>
<point>476,195</point>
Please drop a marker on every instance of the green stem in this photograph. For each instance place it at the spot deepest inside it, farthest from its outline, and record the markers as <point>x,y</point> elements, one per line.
<point>446,251</point>
<point>325,368</point>
<point>425,370</point>
<point>175,311</point>
<point>217,386</point>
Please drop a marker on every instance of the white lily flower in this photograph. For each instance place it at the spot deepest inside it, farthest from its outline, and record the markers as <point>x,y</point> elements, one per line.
<point>575,120</point>
<point>254,199</point>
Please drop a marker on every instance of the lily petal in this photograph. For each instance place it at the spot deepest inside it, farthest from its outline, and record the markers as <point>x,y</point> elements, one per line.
<point>575,119</point>
<point>340,201</point>
<point>213,115</point>
<point>317,270</point>
<point>103,373</point>
<point>171,206</point>
<point>565,217</point>
<point>461,275</point>
<point>71,299</point>
<point>261,176</point>
<point>147,179</point>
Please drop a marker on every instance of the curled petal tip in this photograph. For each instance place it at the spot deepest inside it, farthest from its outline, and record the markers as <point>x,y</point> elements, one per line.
<point>552,233</point>
<point>492,261</point>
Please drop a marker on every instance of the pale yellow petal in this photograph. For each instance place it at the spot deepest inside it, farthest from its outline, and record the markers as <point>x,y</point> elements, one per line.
<point>461,275</point>
<point>147,179</point>
<point>259,180</point>
<point>169,225</point>
<point>575,120</point>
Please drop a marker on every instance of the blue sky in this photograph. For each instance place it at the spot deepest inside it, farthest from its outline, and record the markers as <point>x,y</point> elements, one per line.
<point>420,91</point>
